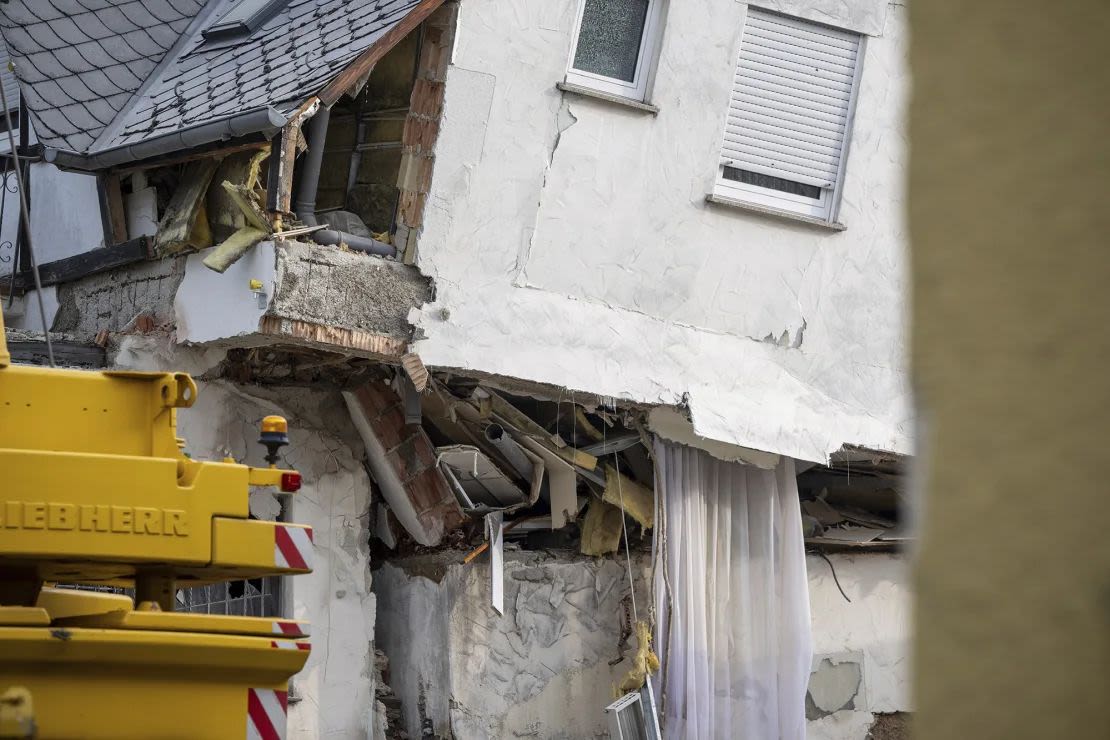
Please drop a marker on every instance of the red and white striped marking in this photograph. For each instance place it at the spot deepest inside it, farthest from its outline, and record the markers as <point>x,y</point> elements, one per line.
<point>266,713</point>
<point>293,629</point>
<point>290,645</point>
<point>293,547</point>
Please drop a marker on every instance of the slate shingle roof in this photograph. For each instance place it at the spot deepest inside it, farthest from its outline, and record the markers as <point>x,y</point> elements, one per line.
<point>91,72</point>
<point>290,57</point>
<point>81,61</point>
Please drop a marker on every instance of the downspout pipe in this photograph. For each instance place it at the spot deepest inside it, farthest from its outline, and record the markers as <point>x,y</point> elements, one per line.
<point>305,206</point>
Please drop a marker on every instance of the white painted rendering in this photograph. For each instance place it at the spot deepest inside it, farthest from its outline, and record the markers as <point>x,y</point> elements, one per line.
<point>25,314</point>
<point>571,244</point>
<point>68,222</point>
<point>65,212</point>
<point>874,629</point>
<point>211,306</point>
<point>336,687</point>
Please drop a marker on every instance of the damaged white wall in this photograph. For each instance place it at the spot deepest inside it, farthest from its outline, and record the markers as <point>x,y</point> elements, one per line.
<point>571,244</point>
<point>336,687</point>
<point>542,669</point>
<point>861,650</point>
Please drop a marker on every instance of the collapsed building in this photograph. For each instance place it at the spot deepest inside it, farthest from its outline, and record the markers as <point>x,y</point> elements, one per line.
<point>553,414</point>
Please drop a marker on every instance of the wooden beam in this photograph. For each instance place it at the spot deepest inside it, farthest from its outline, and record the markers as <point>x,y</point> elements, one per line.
<point>279,179</point>
<point>348,79</point>
<point>66,354</point>
<point>117,217</point>
<point>87,263</point>
<point>184,158</point>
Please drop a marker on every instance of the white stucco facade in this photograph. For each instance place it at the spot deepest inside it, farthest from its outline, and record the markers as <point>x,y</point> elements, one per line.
<point>571,243</point>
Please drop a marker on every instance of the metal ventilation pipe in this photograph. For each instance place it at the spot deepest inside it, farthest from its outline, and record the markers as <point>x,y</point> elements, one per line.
<point>305,207</point>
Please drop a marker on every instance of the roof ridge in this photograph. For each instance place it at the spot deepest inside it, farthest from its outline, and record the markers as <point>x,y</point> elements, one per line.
<point>113,127</point>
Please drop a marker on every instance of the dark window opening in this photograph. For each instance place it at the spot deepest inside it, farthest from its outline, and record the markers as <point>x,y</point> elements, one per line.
<point>773,183</point>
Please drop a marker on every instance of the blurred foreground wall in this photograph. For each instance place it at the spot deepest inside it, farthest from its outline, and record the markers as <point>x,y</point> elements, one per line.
<point>1010,231</point>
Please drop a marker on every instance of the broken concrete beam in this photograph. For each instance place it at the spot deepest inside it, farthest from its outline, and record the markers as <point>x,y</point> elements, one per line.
<point>403,461</point>
<point>601,529</point>
<point>345,290</point>
<point>179,221</point>
<point>637,501</point>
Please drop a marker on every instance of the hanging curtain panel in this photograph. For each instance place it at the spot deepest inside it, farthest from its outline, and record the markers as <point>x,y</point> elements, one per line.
<point>733,624</point>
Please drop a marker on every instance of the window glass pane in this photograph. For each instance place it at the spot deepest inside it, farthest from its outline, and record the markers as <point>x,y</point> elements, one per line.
<point>609,41</point>
<point>774,183</point>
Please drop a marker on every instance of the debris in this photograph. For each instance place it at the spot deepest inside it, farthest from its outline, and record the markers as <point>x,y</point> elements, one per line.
<point>404,464</point>
<point>497,436</point>
<point>514,417</point>
<point>644,661</point>
<point>385,526</point>
<point>224,215</point>
<point>483,482</point>
<point>494,528</point>
<point>178,226</point>
<point>248,202</point>
<point>485,545</point>
<point>613,445</point>
<point>822,512</point>
<point>410,398</point>
<point>637,501</point>
<point>232,248</point>
<point>562,483</point>
<point>414,366</point>
<point>601,529</point>
<point>852,534</point>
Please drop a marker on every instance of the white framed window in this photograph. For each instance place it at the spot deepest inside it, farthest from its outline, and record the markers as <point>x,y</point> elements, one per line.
<point>790,115</point>
<point>615,45</point>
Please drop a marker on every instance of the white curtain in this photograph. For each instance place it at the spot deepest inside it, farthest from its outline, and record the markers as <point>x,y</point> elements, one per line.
<point>732,604</point>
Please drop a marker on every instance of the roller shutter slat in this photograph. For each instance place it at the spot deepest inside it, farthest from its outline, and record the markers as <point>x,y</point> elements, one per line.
<point>790,99</point>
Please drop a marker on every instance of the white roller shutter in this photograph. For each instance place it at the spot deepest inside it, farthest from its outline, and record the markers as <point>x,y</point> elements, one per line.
<point>791,98</point>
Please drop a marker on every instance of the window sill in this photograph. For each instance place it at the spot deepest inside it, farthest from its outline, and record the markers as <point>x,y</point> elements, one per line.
<point>724,200</point>
<point>608,97</point>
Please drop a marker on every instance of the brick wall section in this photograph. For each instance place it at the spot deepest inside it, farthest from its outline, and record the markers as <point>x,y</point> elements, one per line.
<point>410,457</point>
<point>422,126</point>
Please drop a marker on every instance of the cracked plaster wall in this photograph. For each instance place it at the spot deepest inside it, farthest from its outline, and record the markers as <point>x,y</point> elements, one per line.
<point>866,640</point>
<point>570,241</point>
<point>336,687</point>
<point>542,669</point>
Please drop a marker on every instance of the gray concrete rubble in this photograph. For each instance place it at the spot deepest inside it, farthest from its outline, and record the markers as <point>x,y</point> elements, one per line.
<point>332,287</point>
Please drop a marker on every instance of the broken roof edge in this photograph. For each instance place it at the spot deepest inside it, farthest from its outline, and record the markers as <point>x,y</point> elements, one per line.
<point>266,121</point>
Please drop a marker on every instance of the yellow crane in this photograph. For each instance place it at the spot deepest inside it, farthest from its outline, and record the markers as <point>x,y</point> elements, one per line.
<point>96,489</point>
